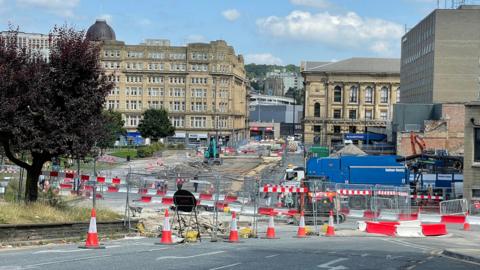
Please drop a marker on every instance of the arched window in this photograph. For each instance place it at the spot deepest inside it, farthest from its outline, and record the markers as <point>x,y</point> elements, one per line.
<point>316,112</point>
<point>337,94</point>
<point>368,95</point>
<point>384,95</point>
<point>353,94</point>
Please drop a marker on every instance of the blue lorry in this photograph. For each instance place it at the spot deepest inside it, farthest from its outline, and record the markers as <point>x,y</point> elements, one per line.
<point>370,170</point>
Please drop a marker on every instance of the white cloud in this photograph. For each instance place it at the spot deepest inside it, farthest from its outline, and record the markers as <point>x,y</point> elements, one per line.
<point>231,14</point>
<point>345,30</point>
<point>62,8</point>
<point>312,3</point>
<point>196,38</point>
<point>263,58</point>
<point>106,17</point>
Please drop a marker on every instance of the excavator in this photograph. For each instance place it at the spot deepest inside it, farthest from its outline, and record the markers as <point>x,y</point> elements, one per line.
<point>212,153</point>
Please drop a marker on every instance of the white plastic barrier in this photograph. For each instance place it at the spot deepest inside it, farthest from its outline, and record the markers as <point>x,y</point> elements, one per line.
<point>151,191</point>
<point>473,220</point>
<point>356,213</point>
<point>362,226</point>
<point>235,207</point>
<point>388,215</point>
<point>429,218</point>
<point>411,228</point>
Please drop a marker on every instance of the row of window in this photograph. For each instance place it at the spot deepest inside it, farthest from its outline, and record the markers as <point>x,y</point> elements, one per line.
<point>176,106</point>
<point>352,114</point>
<point>171,80</point>
<point>353,95</point>
<point>179,121</point>
<point>162,55</point>
<point>174,92</point>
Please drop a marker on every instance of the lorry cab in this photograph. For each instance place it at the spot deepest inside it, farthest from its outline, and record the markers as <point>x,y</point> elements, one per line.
<point>294,174</point>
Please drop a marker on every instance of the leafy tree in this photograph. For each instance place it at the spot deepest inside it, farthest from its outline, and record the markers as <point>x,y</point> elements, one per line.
<point>155,124</point>
<point>51,107</point>
<point>113,125</point>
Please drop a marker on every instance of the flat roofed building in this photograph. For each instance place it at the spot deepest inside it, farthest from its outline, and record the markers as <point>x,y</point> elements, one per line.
<point>440,57</point>
<point>347,97</point>
<point>201,85</point>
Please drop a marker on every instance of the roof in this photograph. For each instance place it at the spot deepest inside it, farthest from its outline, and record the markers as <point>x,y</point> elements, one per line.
<point>100,31</point>
<point>349,150</point>
<point>356,65</point>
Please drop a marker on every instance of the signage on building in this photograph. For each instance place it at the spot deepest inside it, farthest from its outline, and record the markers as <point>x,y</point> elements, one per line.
<point>363,136</point>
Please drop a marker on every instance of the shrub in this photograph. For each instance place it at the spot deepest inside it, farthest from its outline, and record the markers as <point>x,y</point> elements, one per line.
<point>144,151</point>
<point>181,146</point>
<point>171,146</point>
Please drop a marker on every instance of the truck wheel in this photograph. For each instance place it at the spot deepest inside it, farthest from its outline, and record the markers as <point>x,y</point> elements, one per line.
<point>357,203</point>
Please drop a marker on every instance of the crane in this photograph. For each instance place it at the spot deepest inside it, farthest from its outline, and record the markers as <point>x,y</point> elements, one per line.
<point>417,140</point>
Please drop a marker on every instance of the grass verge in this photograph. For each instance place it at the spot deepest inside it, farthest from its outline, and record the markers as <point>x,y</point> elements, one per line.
<point>36,213</point>
<point>123,153</point>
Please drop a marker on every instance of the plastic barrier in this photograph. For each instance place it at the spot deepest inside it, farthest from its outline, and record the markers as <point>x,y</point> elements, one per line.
<point>362,226</point>
<point>116,180</point>
<point>167,200</point>
<point>370,214</point>
<point>429,218</point>
<point>410,229</point>
<point>265,210</point>
<point>473,220</point>
<point>160,192</point>
<point>388,215</point>
<point>453,219</point>
<point>66,186</point>
<point>403,216</point>
<point>356,213</point>
<point>434,229</point>
<point>386,228</point>
<point>146,199</point>
<point>206,196</point>
<point>112,189</point>
<point>230,199</point>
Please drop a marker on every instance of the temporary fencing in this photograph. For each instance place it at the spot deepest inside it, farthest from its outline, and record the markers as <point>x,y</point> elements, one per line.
<point>454,207</point>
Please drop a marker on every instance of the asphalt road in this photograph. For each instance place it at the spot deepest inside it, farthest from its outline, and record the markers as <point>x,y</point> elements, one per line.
<point>337,253</point>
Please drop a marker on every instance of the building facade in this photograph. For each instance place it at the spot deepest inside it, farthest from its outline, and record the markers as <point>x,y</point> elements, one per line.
<point>439,59</point>
<point>273,86</point>
<point>202,85</point>
<point>471,162</point>
<point>348,97</point>
<point>33,41</point>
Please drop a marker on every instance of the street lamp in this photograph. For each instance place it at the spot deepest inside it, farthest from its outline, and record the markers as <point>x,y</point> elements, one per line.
<point>95,153</point>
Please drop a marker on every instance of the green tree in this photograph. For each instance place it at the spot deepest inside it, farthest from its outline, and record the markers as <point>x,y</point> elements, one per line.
<point>155,124</point>
<point>113,125</point>
<point>53,107</point>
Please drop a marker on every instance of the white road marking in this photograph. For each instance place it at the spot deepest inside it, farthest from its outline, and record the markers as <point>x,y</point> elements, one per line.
<point>59,251</point>
<point>406,244</point>
<point>364,255</point>
<point>225,266</point>
<point>327,265</point>
<point>188,257</point>
<point>64,261</point>
<point>114,246</point>
<point>156,249</point>
<point>390,257</point>
<point>271,256</point>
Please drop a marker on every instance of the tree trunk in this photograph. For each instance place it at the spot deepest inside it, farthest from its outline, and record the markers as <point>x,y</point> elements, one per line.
<point>31,186</point>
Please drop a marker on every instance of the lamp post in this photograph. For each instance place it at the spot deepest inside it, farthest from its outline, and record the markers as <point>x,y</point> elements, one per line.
<point>95,154</point>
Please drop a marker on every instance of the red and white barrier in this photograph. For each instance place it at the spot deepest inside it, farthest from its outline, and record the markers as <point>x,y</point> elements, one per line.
<point>403,228</point>
<point>354,192</point>
<point>282,189</point>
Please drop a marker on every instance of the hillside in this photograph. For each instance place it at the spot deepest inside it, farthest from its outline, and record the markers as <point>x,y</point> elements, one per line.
<point>259,71</point>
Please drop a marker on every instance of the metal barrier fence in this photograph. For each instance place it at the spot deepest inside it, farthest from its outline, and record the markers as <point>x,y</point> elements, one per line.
<point>454,207</point>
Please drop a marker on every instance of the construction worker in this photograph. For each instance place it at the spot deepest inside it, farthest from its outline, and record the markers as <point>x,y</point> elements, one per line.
<point>179,183</point>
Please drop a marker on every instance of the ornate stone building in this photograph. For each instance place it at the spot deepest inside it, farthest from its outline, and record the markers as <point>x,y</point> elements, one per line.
<point>348,97</point>
<point>202,85</point>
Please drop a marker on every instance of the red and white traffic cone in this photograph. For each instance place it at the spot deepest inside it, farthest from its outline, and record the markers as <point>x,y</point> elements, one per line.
<point>271,228</point>
<point>331,226</point>
<point>301,233</point>
<point>166,231</point>
<point>466,224</point>
<point>233,238</point>
<point>92,236</point>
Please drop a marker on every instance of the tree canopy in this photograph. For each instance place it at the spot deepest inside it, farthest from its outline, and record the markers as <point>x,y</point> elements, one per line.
<point>113,125</point>
<point>51,105</point>
<point>155,124</point>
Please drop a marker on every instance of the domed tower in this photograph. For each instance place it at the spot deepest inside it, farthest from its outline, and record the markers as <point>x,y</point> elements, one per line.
<point>100,31</point>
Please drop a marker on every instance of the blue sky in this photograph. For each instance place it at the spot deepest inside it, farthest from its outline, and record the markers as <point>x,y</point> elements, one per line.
<point>264,31</point>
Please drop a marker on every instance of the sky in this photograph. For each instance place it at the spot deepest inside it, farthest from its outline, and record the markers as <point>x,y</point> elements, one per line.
<point>264,31</point>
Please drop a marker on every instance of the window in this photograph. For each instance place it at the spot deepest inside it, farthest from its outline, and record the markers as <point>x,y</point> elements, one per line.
<point>369,95</point>
<point>383,115</point>
<point>352,129</point>
<point>336,129</point>
<point>337,94</point>
<point>155,79</point>
<point>476,145</point>
<point>198,122</point>
<point>337,113</point>
<point>134,54</point>
<point>317,129</point>
<point>384,95</point>
<point>353,94</point>
<point>352,114</point>
<point>368,114</point>
<point>177,121</point>
<point>316,112</point>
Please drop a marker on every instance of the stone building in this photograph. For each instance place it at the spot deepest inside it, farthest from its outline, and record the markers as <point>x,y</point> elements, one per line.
<point>439,61</point>
<point>348,96</point>
<point>202,85</point>
<point>471,163</point>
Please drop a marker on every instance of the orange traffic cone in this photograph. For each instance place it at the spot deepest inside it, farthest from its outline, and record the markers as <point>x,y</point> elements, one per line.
<point>92,236</point>
<point>166,231</point>
<point>271,228</point>
<point>233,238</point>
<point>331,226</point>
<point>301,227</point>
<point>466,224</point>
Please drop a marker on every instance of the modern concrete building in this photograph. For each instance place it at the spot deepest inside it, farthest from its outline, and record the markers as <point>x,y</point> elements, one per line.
<point>348,97</point>
<point>471,163</point>
<point>290,79</point>
<point>202,85</point>
<point>273,86</point>
<point>33,41</point>
<point>440,57</point>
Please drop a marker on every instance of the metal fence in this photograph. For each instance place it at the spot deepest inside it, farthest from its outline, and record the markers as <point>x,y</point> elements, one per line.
<point>454,207</point>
